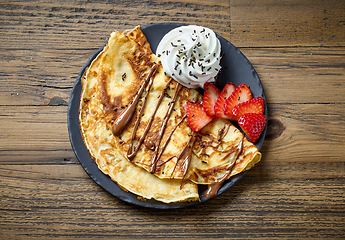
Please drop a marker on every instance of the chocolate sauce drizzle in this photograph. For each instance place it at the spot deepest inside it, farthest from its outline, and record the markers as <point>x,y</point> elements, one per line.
<point>131,154</point>
<point>127,114</point>
<point>212,188</point>
<point>184,157</point>
<point>154,158</point>
<point>122,120</point>
<point>166,143</point>
<point>221,133</point>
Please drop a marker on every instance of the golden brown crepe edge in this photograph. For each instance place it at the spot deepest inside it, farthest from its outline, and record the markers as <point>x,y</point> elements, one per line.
<point>192,197</point>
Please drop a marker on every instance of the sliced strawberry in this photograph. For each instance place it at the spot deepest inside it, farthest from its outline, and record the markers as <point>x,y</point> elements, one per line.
<point>254,105</point>
<point>211,94</point>
<point>196,116</point>
<point>241,94</point>
<point>219,105</point>
<point>252,124</point>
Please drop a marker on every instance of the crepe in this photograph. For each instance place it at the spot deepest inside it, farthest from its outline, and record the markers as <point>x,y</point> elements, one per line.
<point>134,125</point>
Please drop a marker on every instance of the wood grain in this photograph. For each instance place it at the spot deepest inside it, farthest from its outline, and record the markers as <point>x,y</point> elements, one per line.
<point>41,39</point>
<point>25,139</point>
<point>33,56</point>
<point>295,192</point>
<point>305,73</point>
<point>287,23</point>
<point>44,206</point>
<point>83,25</point>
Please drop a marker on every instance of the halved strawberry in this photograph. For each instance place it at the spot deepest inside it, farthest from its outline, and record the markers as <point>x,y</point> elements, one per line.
<point>219,105</point>
<point>211,94</point>
<point>241,94</point>
<point>196,116</point>
<point>252,124</point>
<point>254,105</point>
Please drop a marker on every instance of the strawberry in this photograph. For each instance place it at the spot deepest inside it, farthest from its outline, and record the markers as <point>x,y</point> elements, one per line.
<point>196,116</point>
<point>252,124</point>
<point>219,105</point>
<point>211,94</point>
<point>254,105</point>
<point>241,94</point>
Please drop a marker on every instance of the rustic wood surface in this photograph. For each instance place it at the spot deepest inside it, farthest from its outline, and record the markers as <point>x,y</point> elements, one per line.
<point>297,190</point>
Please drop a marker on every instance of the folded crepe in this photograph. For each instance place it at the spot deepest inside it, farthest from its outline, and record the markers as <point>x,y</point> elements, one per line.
<point>134,125</point>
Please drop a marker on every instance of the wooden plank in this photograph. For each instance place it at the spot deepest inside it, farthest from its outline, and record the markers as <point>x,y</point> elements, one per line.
<point>287,23</point>
<point>78,22</point>
<point>38,156</point>
<point>35,134</point>
<point>296,133</point>
<point>309,132</point>
<point>296,201</point>
<point>307,75</point>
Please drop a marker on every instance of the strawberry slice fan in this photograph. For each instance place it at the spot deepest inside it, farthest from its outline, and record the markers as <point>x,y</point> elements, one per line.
<point>233,103</point>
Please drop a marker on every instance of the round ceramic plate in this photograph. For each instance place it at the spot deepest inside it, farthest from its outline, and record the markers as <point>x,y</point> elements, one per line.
<point>235,68</point>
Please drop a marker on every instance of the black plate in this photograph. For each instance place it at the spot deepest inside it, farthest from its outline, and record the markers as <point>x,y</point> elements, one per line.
<point>235,68</point>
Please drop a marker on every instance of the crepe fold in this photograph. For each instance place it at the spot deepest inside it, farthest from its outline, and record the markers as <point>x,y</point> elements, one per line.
<point>153,154</point>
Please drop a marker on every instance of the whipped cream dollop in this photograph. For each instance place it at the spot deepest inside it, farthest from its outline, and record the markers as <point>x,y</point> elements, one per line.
<point>190,55</point>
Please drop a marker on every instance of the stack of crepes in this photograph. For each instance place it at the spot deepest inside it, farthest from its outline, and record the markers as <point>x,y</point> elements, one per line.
<point>133,123</point>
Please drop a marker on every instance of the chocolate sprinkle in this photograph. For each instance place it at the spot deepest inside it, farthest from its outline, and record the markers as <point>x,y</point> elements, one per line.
<point>123,76</point>
<point>192,75</point>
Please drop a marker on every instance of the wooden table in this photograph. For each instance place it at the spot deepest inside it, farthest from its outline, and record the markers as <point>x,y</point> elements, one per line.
<point>296,191</point>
